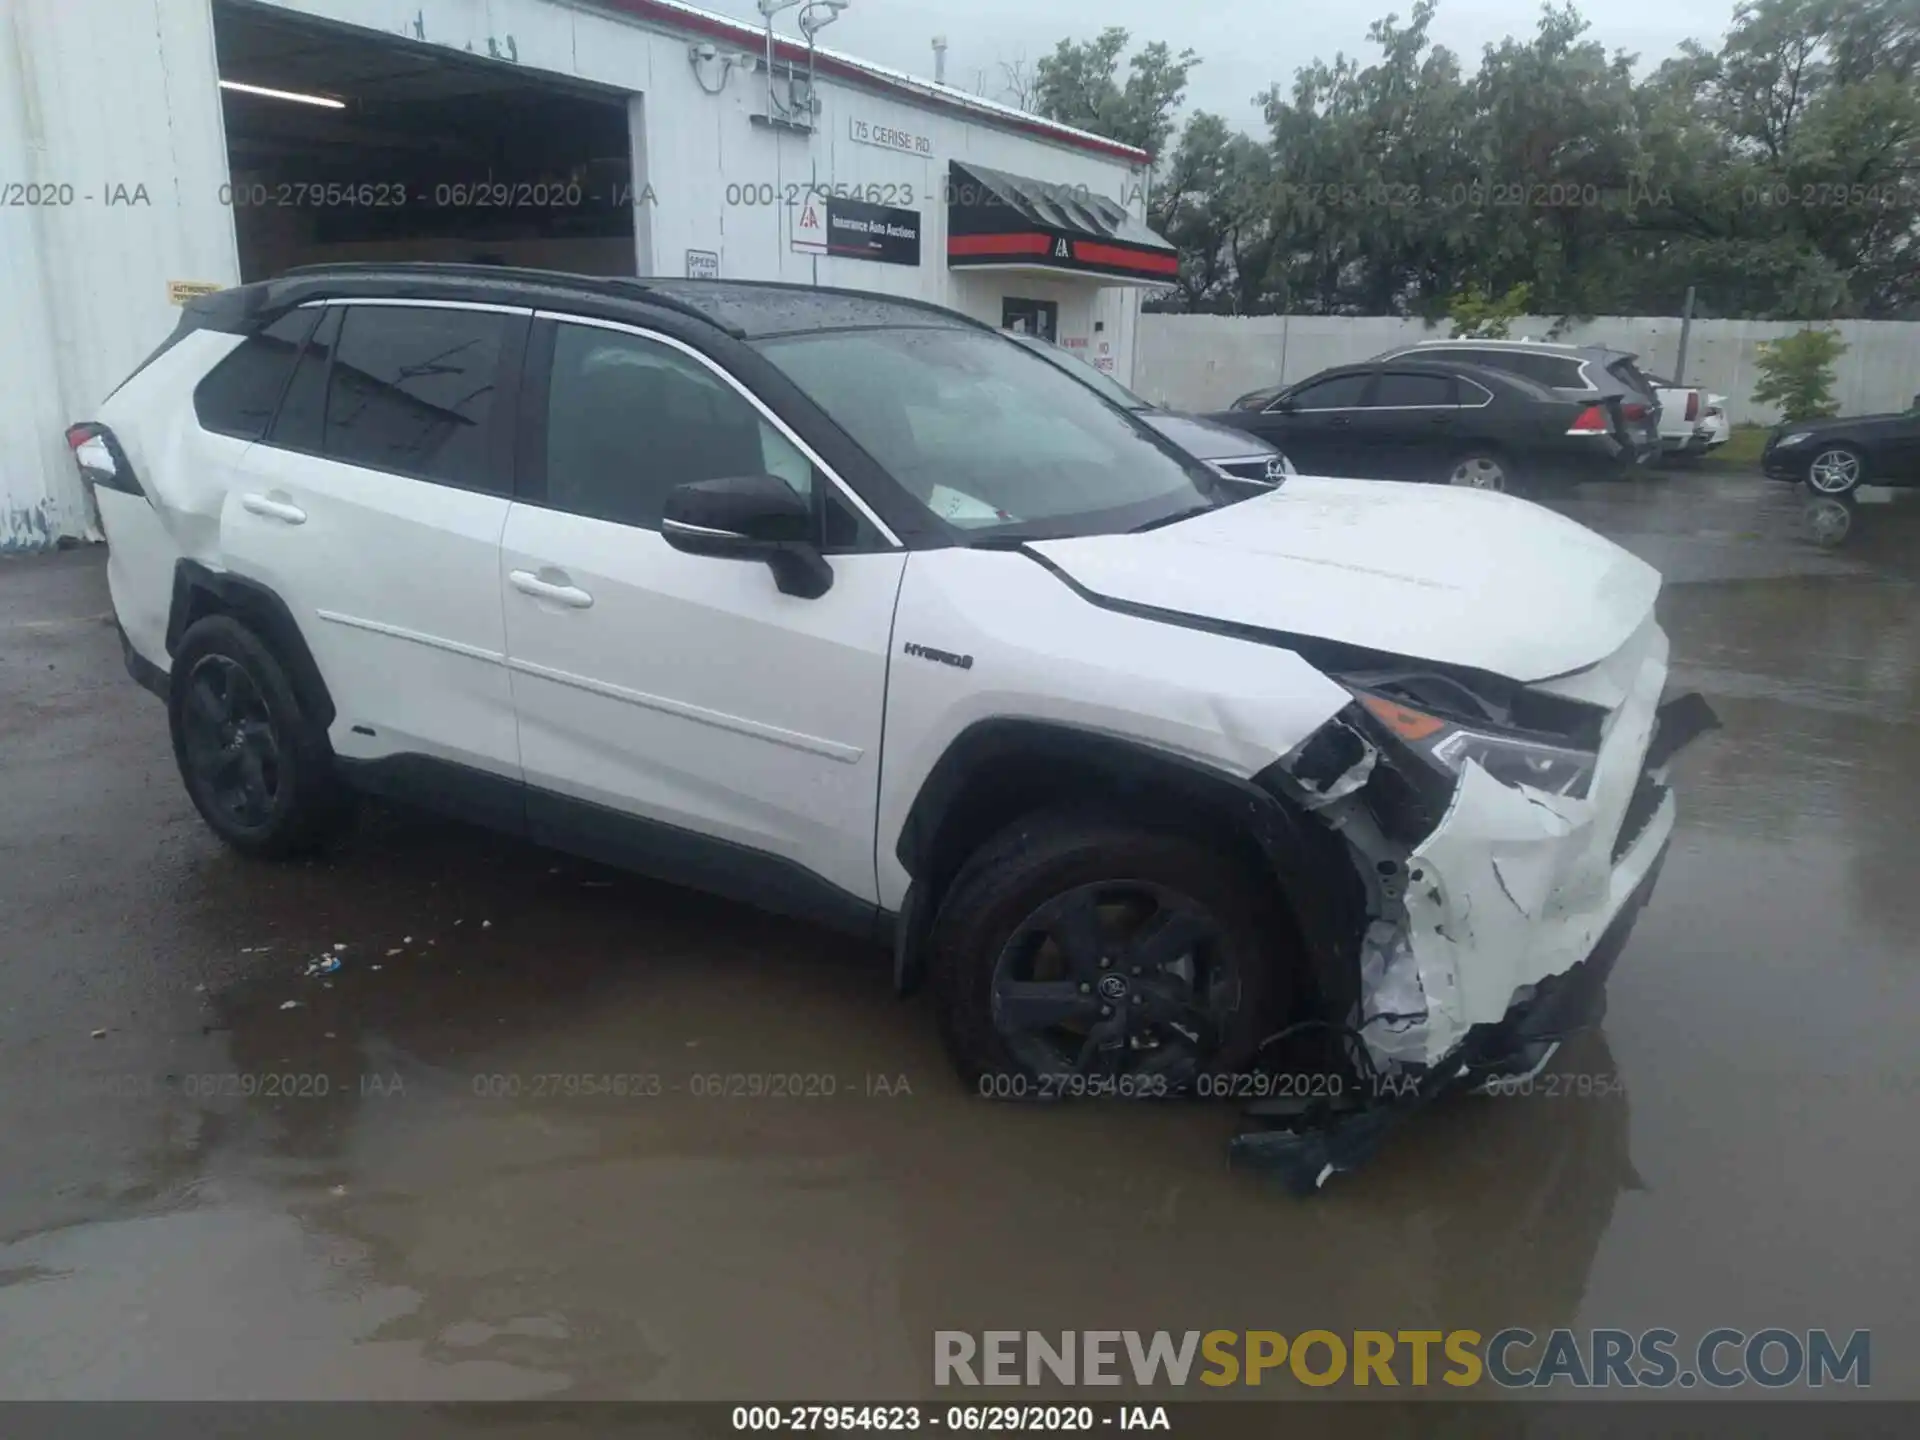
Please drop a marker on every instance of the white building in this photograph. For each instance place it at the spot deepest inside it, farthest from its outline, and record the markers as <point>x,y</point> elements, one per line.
<point>622,137</point>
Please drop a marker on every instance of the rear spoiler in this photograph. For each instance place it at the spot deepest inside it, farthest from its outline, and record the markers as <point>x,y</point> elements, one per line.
<point>239,311</point>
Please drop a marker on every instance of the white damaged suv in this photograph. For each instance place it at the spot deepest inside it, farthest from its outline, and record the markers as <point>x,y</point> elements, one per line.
<point>851,608</point>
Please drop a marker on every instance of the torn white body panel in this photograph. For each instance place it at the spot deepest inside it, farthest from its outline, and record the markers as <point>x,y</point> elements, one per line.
<point>1514,886</point>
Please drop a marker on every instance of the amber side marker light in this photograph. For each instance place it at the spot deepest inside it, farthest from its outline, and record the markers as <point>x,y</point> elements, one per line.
<point>1406,723</point>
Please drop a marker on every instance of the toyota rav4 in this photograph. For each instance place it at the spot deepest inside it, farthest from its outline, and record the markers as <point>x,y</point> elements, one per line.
<point>851,608</point>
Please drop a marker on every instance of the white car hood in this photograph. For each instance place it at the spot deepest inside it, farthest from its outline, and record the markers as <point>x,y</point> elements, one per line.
<point>1458,576</point>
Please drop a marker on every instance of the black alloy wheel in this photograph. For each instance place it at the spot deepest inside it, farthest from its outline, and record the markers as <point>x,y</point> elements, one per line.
<point>231,746</point>
<point>1116,978</point>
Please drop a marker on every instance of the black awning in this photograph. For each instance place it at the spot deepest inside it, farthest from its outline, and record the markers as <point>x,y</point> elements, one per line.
<point>998,219</point>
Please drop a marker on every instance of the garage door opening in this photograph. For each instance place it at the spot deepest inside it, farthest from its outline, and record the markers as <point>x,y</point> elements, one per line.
<point>377,148</point>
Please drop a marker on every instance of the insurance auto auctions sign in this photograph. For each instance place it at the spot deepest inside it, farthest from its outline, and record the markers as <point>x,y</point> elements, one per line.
<point>856,230</point>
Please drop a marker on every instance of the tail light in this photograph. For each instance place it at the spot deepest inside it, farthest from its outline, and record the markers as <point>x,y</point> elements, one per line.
<point>100,459</point>
<point>1590,421</point>
<point>1634,410</point>
<point>1693,404</point>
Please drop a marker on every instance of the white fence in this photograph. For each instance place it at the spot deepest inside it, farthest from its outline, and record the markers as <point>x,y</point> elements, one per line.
<point>1201,362</point>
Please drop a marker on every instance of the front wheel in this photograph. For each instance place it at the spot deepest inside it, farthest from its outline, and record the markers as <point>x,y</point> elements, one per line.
<point>1076,954</point>
<point>1836,470</point>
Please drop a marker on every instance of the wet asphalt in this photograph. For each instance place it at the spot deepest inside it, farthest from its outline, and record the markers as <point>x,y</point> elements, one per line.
<point>381,1181</point>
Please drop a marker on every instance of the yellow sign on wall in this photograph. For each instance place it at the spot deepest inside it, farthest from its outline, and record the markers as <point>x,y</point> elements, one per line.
<point>181,291</point>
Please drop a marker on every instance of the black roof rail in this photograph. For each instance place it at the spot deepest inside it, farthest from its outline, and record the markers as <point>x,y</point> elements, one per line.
<point>620,286</point>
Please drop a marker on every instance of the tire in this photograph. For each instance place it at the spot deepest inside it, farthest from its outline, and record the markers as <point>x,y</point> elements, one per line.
<point>256,768</point>
<point>1482,470</point>
<point>1179,1013</point>
<point>1836,470</point>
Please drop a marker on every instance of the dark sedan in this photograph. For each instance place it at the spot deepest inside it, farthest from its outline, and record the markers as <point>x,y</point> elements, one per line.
<point>1230,451</point>
<point>1837,457</point>
<point>1451,423</point>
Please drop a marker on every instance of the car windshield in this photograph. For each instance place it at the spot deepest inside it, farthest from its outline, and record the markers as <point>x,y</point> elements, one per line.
<point>988,436</point>
<point>1103,384</point>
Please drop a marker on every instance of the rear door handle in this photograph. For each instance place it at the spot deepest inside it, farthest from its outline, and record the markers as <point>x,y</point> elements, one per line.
<point>528,583</point>
<point>273,509</point>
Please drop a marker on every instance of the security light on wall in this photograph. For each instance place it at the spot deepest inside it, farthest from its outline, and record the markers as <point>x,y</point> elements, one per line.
<point>326,102</point>
<point>812,21</point>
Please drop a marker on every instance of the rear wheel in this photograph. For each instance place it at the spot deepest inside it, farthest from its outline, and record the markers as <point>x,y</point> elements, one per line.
<point>259,771</point>
<point>1836,470</point>
<point>1077,954</point>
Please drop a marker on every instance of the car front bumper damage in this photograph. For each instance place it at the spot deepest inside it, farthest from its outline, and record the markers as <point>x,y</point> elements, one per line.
<point>1492,937</point>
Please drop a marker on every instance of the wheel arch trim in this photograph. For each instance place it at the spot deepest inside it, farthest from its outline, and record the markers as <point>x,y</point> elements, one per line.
<point>1310,872</point>
<point>258,605</point>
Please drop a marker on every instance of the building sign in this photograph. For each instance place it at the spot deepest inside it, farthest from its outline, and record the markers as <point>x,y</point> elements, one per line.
<point>857,230</point>
<point>703,265</point>
<point>873,232</point>
<point>889,137</point>
<point>181,291</point>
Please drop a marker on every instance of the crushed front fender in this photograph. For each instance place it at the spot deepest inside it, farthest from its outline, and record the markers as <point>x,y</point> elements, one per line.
<point>1479,932</point>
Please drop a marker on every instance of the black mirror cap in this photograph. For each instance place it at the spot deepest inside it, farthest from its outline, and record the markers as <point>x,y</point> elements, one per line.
<point>761,509</point>
<point>750,517</point>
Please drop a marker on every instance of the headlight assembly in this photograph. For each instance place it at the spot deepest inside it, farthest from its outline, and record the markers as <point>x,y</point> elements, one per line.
<point>1510,759</point>
<point>1799,437</point>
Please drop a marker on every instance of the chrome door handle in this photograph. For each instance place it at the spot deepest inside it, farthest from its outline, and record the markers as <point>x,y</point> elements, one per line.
<point>527,583</point>
<point>273,509</point>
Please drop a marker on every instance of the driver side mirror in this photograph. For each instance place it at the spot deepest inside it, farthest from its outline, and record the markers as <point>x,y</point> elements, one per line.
<point>750,517</point>
<point>1282,405</point>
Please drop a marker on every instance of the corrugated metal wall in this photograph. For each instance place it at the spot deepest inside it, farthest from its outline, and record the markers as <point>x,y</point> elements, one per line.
<point>111,107</point>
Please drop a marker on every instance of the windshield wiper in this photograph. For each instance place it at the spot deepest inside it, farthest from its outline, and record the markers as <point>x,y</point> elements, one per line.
<point>1172,519</point>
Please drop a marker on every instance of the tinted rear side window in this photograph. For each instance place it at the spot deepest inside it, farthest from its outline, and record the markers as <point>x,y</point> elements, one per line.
<point>412,391</point>
<point>297,426</point>
<point>1396,390</point>
<point>238,396</point>
<point>1553,371</point>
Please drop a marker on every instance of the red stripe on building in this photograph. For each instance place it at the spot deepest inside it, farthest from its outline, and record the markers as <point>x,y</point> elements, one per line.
<point>1151,262</point>
<point>998,245</point>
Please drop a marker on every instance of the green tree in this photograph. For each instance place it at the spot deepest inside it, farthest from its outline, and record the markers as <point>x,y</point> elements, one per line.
<point>1796,373</point>
<point>1080,84</point>
<point>1777,173</point>
<point>1210,198</point>
<point>1479,316</point>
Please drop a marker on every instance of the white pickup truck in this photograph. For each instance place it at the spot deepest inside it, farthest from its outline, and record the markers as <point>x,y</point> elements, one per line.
<point>1692,421</point>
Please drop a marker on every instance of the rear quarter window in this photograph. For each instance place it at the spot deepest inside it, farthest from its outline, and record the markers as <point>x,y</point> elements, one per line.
<point>1553,371</point>
<point>238,396</point>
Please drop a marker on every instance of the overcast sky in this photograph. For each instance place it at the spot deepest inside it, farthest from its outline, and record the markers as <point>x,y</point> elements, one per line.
<point>1244,45</point>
